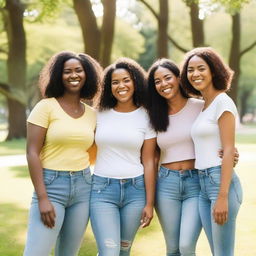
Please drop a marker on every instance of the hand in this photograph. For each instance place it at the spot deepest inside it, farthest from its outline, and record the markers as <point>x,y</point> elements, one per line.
<point>236,156</point>
<point>47,212</point>
<point>146,217</point>
<point>220,210</point>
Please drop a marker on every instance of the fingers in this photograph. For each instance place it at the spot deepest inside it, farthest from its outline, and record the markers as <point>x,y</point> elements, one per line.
<point>145,220</point>
<point>48,218</point>
<point>220,217</point>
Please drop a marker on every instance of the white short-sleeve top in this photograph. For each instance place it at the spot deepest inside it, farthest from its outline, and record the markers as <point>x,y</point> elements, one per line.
<point>176,143</point>
<point>205,131</point>
<point>119,138</point>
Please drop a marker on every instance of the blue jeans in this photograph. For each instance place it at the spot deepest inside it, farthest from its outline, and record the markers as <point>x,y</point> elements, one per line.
<point>115,211</point>
<point>220,237</point>
<point>177,209</point>
<point>69,192</point>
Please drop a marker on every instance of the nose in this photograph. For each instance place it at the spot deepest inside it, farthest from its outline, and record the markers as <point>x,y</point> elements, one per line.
<point>195,72</point>
<point>164,82</point>
<point>74,74</point>
<point>121,85</point>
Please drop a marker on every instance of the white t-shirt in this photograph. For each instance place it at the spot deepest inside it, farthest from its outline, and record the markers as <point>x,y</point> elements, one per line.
<point>205,131</point>
<point>119,138</point>
<point>176,143</point>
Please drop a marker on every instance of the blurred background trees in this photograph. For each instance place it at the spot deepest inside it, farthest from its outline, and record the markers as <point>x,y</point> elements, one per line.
<point>33,30</point>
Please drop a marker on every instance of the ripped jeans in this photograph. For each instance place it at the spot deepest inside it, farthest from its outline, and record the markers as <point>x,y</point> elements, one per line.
<point>115,211</point>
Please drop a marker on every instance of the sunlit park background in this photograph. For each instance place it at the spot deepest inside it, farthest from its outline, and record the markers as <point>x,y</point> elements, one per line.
<point>33,30</point>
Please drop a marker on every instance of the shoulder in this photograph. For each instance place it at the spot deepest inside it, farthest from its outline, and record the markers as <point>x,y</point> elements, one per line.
<point>89,109</point>
<point>45,104</point>
<point>195,103</point>
<point>224,99</point>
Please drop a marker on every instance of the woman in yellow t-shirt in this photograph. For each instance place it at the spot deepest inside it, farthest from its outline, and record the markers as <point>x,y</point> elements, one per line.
<point>60,131</point>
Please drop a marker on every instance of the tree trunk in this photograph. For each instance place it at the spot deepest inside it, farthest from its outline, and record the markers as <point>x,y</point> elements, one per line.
<point>163,20</point>
<point>197,25</point>
<point>245,95</point>
<point>107,31</point>
<point>234,57</point>
<point>16,64</point>
<point>90,30</point>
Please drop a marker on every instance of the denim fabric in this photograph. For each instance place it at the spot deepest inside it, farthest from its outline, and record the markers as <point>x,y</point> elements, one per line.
<point>177,209</point>
<point>69,193</point>
<point>115,211</point>
<point>220,237</point>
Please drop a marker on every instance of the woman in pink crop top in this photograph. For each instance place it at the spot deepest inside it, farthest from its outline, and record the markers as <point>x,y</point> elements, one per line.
<point>172,113</point>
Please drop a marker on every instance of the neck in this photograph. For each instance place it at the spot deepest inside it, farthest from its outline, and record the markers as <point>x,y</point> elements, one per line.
<point>209,95</point>
<point>71,98</point>
<point>125,107</point>
<point>176,104</point>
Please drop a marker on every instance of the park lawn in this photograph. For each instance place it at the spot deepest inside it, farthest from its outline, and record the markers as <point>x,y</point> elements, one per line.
<point>16,189</point>
<point>13,147</point>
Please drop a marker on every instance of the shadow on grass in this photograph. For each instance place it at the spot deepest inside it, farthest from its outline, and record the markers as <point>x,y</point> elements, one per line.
<point>13,221</point>
<point>20,171</point>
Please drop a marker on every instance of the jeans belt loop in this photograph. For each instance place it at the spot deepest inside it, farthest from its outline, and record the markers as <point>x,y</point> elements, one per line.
<point>190,173</point>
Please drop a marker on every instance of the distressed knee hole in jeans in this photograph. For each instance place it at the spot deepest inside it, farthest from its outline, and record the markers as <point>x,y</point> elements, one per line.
<point>125,245</point>
<point>110,243</point>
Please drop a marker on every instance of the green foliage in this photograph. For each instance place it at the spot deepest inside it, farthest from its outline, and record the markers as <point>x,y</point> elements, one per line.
<point>232,6</point>
<point>128,41</point>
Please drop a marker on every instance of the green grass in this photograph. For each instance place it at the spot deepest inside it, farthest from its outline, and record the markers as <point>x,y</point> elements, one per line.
<point>13,147</point>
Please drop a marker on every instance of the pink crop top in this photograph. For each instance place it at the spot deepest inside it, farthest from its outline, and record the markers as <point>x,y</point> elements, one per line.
<point>176,143</point>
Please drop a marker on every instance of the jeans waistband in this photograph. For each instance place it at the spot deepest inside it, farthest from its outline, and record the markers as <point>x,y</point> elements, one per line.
<point>66,173</point>
<point>121,181</point>
<point>189,172</point>
<point>208,171</point>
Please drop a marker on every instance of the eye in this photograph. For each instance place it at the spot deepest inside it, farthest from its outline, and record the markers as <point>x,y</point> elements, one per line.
<point>168,78</point>
<point>190,70</point>
<point>114,83</point>
<point>127,80</point>
<point>157,82</point>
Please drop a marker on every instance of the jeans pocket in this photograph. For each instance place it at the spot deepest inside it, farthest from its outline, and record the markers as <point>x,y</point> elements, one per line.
<point>139,184</point>
<point>49,178</point>
<point>215,178</point>
<point>98,184</point>
<point>238,189</point>
<point>88,178</point>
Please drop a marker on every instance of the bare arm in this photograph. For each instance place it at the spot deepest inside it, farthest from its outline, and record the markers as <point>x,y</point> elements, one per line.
<point>148,161</point>
<point>35,140</point>
<point>92,151</point>
<point>227,135</point>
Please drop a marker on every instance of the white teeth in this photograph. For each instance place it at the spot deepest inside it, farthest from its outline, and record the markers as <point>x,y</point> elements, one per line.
<point>167,90</point>
<point>122,92</point>
<point>74,82</point>
<point>198,80</point>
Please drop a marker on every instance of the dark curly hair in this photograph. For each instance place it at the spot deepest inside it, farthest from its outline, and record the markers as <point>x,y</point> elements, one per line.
<point>50,80</point>
<point>157,105</point>
<point>138,75</point>
<point>221,74</point>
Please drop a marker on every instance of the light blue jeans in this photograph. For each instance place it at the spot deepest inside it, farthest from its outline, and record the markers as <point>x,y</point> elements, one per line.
<point>177,209</point>
<point>220,237</point>
<point>69,192</point>
<point>115,211</point>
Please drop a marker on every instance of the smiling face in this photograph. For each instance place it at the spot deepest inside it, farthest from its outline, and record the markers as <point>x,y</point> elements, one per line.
<point>73,76</point>
<point>199,74</point>
<point>122,86</point>
<point>166,83</point>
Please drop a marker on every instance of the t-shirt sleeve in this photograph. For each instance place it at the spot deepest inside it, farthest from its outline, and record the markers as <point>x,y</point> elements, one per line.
<point>40,115</point>
<point>225,104</point>
<point>150,132</point>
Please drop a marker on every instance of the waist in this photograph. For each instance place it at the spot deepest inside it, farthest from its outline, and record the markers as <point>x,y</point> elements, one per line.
<point>114,180</point>
<point>188,172</point>
<point>57,173</point>
<point>180,165</point>
<point>210,170</point>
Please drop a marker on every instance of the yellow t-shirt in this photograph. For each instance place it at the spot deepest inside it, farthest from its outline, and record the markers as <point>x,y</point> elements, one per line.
<point>67,138</point>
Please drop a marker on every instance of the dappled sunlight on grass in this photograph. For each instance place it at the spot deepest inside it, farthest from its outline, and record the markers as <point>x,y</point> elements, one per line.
<point>13,147</point>
<point>13,222</point>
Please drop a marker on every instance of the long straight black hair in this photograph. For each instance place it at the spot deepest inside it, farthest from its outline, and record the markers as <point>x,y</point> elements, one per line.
<point>157,106</point>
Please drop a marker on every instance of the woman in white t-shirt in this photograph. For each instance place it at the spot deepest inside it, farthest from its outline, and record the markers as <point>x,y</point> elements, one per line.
<point>123,186</point>
<point>204,73</point>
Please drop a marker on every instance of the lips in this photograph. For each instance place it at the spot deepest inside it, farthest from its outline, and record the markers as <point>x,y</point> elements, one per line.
<point>74,82</point>
<point>122,92</point>
<point>167,90</point>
